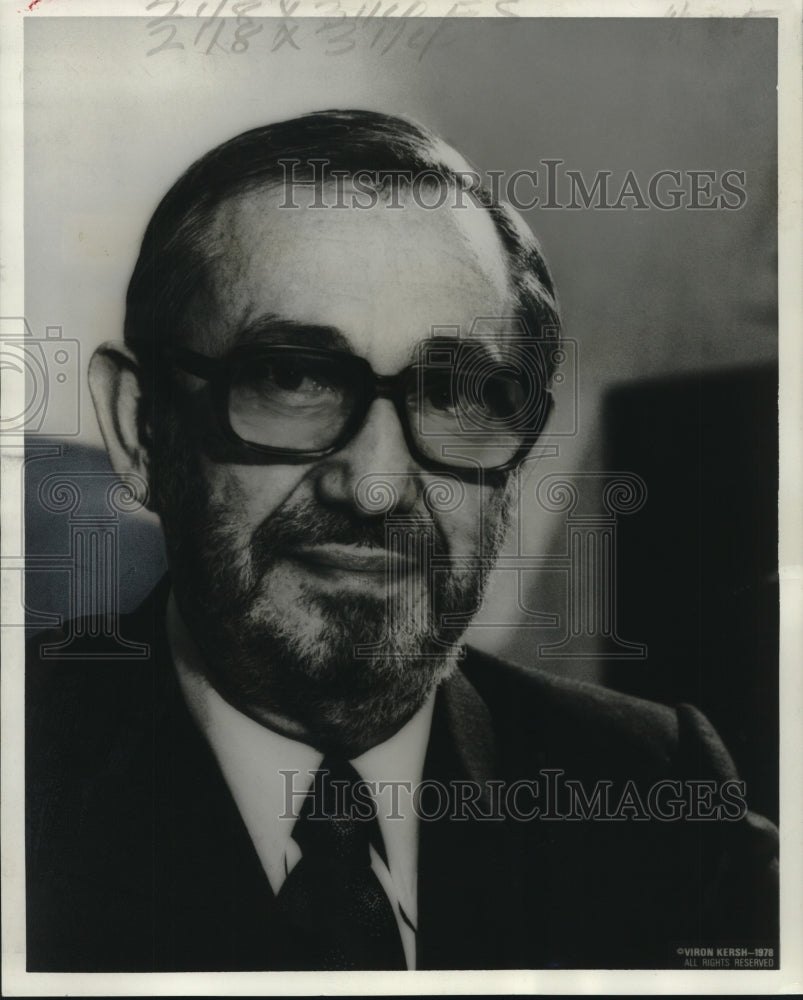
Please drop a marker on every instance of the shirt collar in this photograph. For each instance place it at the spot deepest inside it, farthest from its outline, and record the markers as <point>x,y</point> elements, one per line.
<point>268,773</point>
<point>394,768</point>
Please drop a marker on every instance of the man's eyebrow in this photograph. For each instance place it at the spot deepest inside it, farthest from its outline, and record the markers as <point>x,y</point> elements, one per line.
<point>272,329</point>
<point>484,350</point>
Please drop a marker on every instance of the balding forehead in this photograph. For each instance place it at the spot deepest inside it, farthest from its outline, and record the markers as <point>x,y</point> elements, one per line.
<point>463,228</point>
<point>383,277</point>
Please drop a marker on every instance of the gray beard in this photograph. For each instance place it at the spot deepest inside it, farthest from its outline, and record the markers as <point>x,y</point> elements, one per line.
<point>368,665</point>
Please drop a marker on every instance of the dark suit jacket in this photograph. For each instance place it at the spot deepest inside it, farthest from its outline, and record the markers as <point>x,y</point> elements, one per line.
<point>138,860</point>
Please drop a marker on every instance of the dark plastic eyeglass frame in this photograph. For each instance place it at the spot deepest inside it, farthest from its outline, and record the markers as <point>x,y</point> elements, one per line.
<point>216,372</point>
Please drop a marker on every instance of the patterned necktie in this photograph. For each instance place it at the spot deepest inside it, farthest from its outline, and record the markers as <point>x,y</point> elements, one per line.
<point>332,907</point>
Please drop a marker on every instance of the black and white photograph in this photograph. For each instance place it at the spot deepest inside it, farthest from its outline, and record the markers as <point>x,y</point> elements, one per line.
<point>401,497</point>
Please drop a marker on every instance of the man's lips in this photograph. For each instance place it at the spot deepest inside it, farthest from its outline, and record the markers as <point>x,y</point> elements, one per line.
<point>350,558</point>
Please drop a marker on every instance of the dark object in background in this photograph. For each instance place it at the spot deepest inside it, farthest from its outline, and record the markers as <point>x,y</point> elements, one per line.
<point>698,571</point>
<point>89,551</point>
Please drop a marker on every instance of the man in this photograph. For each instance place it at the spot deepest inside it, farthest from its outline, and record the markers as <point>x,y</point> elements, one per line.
<point>332,366</point>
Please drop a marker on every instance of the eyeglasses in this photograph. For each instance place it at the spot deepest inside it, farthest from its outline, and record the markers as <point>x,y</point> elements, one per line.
<point>462,405</point>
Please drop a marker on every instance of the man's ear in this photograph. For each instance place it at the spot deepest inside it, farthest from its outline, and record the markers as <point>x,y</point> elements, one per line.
<point>115,384</point>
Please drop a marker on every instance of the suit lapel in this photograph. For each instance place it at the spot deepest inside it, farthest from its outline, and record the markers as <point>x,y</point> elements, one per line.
<point>467,882</point>
<point>212,898</point>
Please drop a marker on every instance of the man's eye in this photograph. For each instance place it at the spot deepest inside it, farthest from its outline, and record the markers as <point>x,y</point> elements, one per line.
<point>296,379</point>
<point>440,396</point>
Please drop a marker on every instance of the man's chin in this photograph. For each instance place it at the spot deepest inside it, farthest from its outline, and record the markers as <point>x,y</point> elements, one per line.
<point>330,611</point>
<point>340,636</point>
<point>336,656</point>
<point>340,689</point>
<point>333,664</point>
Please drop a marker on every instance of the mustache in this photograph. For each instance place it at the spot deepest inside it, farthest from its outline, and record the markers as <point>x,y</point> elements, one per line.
<point>307,524</point>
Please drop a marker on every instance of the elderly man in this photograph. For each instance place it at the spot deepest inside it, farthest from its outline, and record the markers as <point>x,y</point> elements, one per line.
<point>332,366</point>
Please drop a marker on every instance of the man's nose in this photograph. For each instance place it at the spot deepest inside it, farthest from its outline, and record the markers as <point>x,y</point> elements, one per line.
<point>375,472</point>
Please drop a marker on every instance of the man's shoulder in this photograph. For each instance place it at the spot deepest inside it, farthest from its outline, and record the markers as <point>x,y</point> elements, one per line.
<point>580,722</point>
<point>83,683</point>
<point>80,644</point>
<point>502,683</point>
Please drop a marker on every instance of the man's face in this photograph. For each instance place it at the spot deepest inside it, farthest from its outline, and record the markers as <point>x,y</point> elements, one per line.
<point>281,570</point>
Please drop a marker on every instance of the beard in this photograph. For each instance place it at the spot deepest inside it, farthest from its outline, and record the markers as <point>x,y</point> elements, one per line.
<point>348,668</point>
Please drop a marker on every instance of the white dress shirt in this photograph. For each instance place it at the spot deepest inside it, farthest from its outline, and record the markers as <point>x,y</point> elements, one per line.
<point>268,775</point>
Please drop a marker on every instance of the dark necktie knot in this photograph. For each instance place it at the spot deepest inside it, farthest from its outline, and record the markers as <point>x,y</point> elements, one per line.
<point>337,822</point>
<point>333,911</point>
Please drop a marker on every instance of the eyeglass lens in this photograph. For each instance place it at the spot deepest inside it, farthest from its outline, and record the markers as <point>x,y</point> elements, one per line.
<point>469,414</point>
<point>291,401</point>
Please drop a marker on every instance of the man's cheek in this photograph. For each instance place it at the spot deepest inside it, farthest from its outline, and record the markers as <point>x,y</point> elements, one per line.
<point>251,493</point>
<point>473,521</point>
